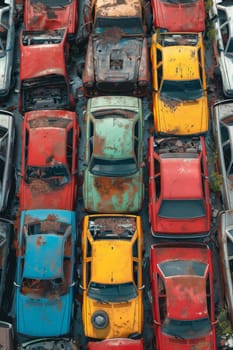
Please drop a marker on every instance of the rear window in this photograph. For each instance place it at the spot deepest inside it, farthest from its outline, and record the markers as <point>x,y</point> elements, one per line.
<point>183,268</point>
<point>182,209</point>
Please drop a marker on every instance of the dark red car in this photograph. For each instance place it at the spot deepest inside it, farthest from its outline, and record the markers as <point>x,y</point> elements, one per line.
<point>49,160</point>
<point>182,290</point>
<point>179,198</point>
<point>179,15</point>
<point>50,15</point>
<point>117,343</point>
<point>44,83</point>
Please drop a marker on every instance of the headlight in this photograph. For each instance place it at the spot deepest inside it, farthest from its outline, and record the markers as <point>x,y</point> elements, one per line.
<point>100,319</point>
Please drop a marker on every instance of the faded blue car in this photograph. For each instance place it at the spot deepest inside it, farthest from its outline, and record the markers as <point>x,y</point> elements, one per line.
<point>45,273</point>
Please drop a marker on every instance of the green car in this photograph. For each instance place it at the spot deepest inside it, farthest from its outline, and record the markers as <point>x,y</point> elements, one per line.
<point>113,178</point>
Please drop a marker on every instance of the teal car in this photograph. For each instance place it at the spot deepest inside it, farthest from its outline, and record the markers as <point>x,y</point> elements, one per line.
<point>113,176</point>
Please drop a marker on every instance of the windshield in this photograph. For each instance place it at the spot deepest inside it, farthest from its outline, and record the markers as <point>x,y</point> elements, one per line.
<point>186,90</point>
<point>182,209</point>
<point>121,167</point>
<point>112,292</point>
<point>179,1</point>
<point>186,329</point>
<point>44,288</point>
<point>126,24</point>
<point>44,173</point>
<point>183,268</point>
<point>48,92</point>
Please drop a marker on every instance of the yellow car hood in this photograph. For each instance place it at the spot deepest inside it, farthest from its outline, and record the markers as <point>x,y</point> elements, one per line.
<point>125,318</point>
<point>181,117</point>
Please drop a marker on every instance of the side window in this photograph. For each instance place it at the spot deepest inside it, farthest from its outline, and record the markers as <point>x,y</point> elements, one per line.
<point>88,273</point>
<point>135,272</point>
<point>135,249</point>
<point>136,148</point>
<point>159,76</point>
<point>69,148</point>
<point>227,155</point>
<point>200,66</point>
<point>26,146</point>
<point>161,299</point>
<point>136,129</point>
<point>208,295</point>
<point>88,251</point>
<point>224,133</point>
<point>5,18</point>
<point>159,56</point>
<point>225,34</point>
<point>222,16</point>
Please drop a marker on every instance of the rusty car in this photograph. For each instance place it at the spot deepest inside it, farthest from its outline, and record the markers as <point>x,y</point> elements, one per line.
<point>45,280</point>
<point>117,343</point>
<point>7,43</point>
<point>49,172</point>
<point>113,175</point>
<point>44,82</point>
<point>225,239</point>
<point>180,105</point>
<point>117,60</point>
<point>179,197</point>
<point>179,15</point>
<point>112,250</point>
<point>6,234</point>
<point>46,15</point>
<point>6,336</point>
<point>220,14</point>
<point>48,344</point>
<point>7,139</point>
<point>222,116</point>
<point>182,291</point>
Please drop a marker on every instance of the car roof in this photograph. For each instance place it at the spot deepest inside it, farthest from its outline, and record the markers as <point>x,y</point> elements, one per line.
<point>50,152</point>
<point>180,63</point>
<point>181,178</point>
<point>111,8</point>
<point>114,138</point>
<point>186,297</point>
<point>39,263</point>
<point>111,261</point>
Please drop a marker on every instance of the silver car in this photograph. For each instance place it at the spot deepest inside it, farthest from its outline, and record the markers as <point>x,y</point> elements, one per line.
<point>222,113</point>
<point>7,137</point>
<point>7,39</point>
<point>221,14</point>
<point>6,336</point>
<point>49,344</point>
<point>225,238</point>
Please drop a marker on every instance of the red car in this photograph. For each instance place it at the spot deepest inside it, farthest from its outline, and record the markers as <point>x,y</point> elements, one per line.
<point>179,15</point>
<point>179,198</point>
<point>117,343</point>
<point>182,290</point>
<point>49,160</point>
<point>49,14</point>
<point>44,83</point>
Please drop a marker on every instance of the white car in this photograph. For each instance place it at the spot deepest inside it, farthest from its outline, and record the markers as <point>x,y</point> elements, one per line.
<point>221,14</point>
<point>222,113</point>
<point>7,41</point>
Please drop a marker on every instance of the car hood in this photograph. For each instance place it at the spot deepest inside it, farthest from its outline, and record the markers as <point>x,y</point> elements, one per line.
<point>43,317</point>
<point>182,117</point>
<point>43,195</point>
<point>171,343</point>
<point>41,17</point>
<point>189,17</point>
<point>124,319</point>
<point>116,59</point>
<point>113,194</point>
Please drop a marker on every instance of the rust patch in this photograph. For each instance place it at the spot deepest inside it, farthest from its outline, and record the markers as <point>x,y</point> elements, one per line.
<point>172,104</point>
<point>40,241</point>
<point>111,35</point>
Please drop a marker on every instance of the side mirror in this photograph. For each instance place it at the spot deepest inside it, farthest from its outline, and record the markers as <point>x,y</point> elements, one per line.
<point>215,322</point>
<point>81,287</point>
<point>16,285</point>
<point>156,323</point>
<point>142,287</point>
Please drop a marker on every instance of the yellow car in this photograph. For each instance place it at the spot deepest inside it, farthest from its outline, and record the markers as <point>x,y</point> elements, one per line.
<point>180,105</point>
<point>112,276</point>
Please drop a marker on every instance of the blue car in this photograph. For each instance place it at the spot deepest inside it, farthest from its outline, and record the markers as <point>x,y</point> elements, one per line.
<point>45,273</point>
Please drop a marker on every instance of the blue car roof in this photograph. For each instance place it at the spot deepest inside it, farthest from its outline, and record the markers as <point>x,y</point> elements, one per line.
<point>44,256</point>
